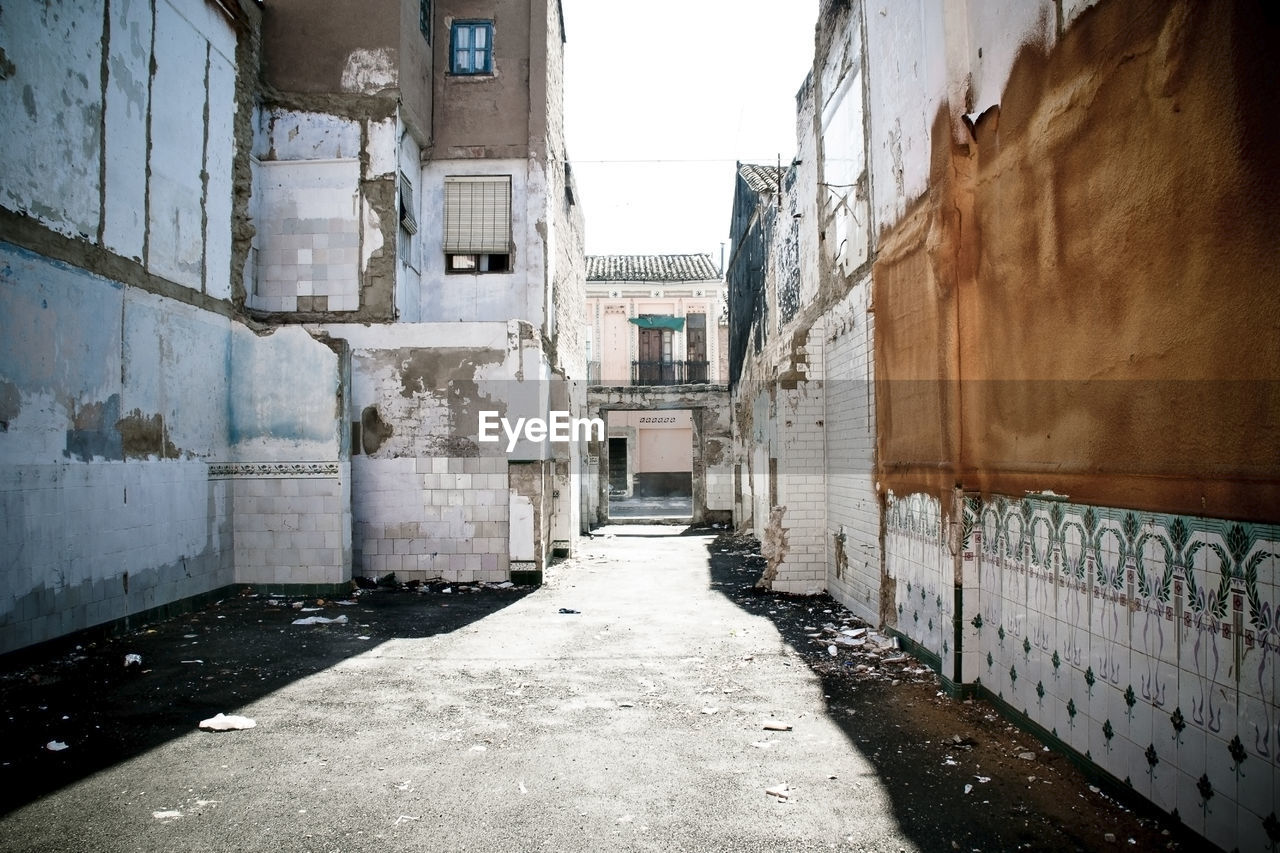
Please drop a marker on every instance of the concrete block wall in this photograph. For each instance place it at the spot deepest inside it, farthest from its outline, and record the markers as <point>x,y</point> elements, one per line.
<point>291,521</point>
<point>431,517</point>
<point>853,505</point>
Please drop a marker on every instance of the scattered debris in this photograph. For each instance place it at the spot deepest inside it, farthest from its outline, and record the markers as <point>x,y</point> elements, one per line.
<point>968,788</point>
<point>777,727</point>
<point>1027,756</point>
<point>55,746</point>
<point>782,792</point>
<point>321,620</point>
<point>710,710</point>
<point>404,818</point>
<point>763,744</point>
<point>170,814</point>
<point>227,723</point>
<point>132,660</point>
<point>569,610</point>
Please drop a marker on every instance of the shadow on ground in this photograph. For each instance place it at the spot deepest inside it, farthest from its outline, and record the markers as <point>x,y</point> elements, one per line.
<point>892,709</point>
<point>216,659</point>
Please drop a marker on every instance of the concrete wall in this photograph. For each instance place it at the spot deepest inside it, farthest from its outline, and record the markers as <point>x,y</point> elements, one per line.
<point>100,141</point>
<point>1050,295</point>
<point>489,115</point>
<point>430,499</point>
<point>327,241</point>
<point>351,47</point>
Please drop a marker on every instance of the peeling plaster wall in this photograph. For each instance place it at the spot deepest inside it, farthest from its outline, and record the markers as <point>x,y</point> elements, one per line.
<point>327,242</point>
<point>1074,295</point>
<point>128,454</point>
<point>101,142</point>
<point>429,499</point>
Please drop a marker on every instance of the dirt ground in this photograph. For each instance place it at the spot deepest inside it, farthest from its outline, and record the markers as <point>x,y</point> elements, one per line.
<point>935,746</point>
<point>967,778</point>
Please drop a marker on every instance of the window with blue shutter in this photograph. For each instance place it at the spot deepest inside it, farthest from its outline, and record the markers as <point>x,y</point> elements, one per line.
<point>471,47</point>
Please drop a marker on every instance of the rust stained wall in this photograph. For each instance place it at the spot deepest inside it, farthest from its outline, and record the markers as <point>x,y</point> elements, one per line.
<point>1117,326</point>
<point>915,283</point>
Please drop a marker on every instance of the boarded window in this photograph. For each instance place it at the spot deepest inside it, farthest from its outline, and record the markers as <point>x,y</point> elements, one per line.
<point>477,215</point>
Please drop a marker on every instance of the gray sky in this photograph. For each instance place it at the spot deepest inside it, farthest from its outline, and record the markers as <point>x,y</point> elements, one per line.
<point>662,97</point>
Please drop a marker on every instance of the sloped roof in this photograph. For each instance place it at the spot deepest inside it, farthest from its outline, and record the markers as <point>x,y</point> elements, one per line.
<point>762,179</point>
<point>651,268</point>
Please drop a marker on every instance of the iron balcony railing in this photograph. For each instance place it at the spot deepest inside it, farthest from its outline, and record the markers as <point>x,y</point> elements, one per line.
<point>669,372</point>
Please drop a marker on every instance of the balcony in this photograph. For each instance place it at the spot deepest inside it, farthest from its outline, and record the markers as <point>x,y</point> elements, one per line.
<point>669,372</point>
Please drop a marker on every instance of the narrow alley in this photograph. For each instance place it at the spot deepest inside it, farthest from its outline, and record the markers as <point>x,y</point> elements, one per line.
<point>679,708</point>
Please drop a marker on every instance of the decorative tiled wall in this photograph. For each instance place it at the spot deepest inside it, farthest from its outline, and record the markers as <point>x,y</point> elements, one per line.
<point>292,521</point>
<point>1146,643</point>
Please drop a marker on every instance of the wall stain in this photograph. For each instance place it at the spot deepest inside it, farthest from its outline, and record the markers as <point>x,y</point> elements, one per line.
<point>142,436</point>
<point>93,432</point>
<point>373,430</point>
<point>10,403</point>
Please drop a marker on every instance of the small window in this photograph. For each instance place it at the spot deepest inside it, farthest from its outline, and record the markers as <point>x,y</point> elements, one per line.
<point>478,263</point>
<point>424,19</point>
<point>471,50</point>
<point>408,222</point>
<point>477,223</point>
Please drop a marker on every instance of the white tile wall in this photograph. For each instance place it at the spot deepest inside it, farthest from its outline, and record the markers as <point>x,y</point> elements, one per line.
<point>802,466</point>
<point>853,505</point>
<point>292,530</point>
<point>72,533</point>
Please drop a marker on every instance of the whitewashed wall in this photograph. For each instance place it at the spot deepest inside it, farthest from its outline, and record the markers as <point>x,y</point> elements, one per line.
<point>125,446</point>
<point>126,161</point>
<point>517,295</point>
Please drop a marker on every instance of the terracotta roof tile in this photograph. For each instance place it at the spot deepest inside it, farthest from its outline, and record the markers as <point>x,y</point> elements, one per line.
<point>762,179</point>
<point>651,268</point>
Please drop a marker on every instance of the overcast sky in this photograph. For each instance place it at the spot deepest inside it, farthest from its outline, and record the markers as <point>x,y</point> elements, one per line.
<point>662,97</point>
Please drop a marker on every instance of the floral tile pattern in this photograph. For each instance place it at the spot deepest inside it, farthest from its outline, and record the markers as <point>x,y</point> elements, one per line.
<point>1149,643</point>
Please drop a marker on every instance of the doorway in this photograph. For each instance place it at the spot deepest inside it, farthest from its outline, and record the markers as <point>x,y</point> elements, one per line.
<point>651,464</point>
<point>619,482</point>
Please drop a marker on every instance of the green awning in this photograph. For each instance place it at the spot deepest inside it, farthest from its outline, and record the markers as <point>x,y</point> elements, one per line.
<point>659,321</point>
